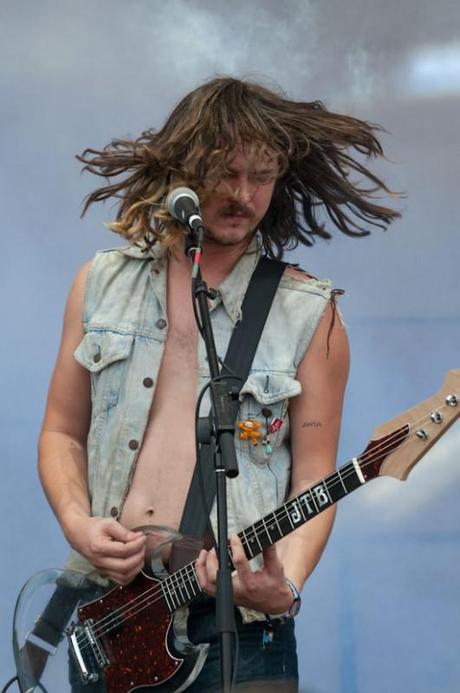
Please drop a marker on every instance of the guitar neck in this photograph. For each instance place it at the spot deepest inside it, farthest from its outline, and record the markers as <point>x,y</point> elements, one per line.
<point>182,586</point>
<point>298,510</point>
<point>321,495</point>
<point>415,430</point>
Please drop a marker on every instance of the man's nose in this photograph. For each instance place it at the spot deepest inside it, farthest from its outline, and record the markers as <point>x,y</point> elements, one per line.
<point>245,190</point>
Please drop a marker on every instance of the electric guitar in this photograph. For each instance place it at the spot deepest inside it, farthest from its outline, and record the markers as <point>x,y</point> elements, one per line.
<point>133,637</point>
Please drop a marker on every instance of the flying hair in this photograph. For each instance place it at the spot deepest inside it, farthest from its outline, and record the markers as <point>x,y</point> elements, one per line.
<point>320,158</point>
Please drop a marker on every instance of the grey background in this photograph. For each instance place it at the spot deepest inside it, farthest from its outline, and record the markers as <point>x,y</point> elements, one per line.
<point>381,612</point>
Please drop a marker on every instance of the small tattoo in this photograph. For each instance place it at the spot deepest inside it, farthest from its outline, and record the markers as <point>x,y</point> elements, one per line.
<point>312,424</point>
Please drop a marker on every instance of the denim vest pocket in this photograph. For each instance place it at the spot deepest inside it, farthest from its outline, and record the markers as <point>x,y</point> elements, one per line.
<point>264,400</point>
<point>104,354</point>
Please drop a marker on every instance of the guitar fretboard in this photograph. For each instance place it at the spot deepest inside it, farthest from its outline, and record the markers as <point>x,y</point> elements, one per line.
<point>295,512</point>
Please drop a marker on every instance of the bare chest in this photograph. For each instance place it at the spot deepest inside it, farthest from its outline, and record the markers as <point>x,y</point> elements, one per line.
<point>166,460</point>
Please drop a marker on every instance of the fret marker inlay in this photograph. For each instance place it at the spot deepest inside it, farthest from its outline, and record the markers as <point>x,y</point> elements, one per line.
<point>358,471</point>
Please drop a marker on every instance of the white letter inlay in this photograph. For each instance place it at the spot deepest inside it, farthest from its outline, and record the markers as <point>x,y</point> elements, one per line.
<point>296,516</point>
<point>304,499</point>
<point>321,495</point>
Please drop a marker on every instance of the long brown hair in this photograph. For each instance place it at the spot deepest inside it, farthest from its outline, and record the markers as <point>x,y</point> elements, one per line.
<point>193,148</point>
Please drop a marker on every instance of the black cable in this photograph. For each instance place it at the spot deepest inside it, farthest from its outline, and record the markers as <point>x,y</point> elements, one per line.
<point>16,678</point>
<point>195,310</point>
<point>8,684</point>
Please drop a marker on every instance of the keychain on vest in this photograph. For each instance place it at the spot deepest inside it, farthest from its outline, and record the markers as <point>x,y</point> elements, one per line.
<point>266,442</point>
<point>250,430</point>
<point>268,634</point>
<point>272,426</point>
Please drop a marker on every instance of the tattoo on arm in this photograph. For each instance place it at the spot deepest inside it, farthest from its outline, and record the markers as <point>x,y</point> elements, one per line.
<point>312,424</point>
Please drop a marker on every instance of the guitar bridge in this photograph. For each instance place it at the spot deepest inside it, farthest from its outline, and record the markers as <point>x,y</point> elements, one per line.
<point>87,652</point>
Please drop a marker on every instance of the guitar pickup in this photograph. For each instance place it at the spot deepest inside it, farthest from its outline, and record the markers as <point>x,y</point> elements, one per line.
<point>87,652</point>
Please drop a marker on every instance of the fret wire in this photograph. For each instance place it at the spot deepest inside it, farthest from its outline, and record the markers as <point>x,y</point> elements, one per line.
<point>173,590</point>
<point>304,499</point>
<point>190,574</point>
<point>250,545</point>
<point>179,583</point>
<point>245,542</point>
<point>341,481</point>
<point>176,587</point>
<point>266,530</point>
<point>282,515</point>
<point>313,499</point>
<point>184,582</point>
<point>305,507</point>
<point>195,582</point>
<point>182,585</point>
<point>335,475</point>
<point>274,526</point>
<point>164,586</point>
<point>193,578</point>
<point>257,538</point>
<point>277,524</point>
<point>188,570</point>
<point>288,514</point>
<point>325,485</point>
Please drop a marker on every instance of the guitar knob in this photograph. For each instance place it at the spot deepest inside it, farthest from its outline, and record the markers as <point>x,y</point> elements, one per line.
<point>423,435</point>
<point>452,400</point>
<point>436,417</point>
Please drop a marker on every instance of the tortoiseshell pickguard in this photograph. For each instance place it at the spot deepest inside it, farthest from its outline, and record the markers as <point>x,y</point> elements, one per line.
<point>137,646</point>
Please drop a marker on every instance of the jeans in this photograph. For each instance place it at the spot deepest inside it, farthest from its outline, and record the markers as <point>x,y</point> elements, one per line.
<point>267,658</point>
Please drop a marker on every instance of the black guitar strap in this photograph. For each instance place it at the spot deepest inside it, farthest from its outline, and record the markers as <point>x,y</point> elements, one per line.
<point>238,360</point>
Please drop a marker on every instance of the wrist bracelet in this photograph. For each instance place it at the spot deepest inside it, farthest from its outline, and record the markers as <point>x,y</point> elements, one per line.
<point>297,601</point>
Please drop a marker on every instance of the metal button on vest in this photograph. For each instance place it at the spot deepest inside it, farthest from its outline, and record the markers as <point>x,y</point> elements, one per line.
<point>161,324</point>
<point>97,357</point>
<point>147,382</point>
<point>133,444</point>
<point>114,511</point>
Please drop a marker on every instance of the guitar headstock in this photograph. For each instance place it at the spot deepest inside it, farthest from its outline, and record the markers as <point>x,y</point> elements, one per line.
<point>397,445</point>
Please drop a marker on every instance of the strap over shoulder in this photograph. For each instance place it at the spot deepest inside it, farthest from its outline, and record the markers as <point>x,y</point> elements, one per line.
<point>238,360</point>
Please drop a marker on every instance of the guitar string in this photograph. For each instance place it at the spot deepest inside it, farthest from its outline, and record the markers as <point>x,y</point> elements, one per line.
<point>155,590</point>
<point>176,576</point>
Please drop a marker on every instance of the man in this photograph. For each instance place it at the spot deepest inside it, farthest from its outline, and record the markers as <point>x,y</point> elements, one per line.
<point>117,448</point>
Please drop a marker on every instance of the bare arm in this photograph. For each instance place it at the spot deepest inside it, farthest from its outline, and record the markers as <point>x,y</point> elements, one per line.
<point>112,549</point>
<point>315,427</point>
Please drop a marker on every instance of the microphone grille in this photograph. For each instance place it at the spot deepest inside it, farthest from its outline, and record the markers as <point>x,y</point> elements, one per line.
<point>175,195</point>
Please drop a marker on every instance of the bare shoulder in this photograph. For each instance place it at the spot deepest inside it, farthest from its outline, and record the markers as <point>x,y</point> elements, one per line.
<point>76,297</point>
<point>328,355</point>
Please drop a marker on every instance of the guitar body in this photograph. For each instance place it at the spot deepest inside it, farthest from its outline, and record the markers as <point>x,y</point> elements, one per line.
<point>145,646</point>
<point>145,652</point>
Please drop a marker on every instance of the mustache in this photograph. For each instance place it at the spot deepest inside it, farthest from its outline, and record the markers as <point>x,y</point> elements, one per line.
<point>235,208</point>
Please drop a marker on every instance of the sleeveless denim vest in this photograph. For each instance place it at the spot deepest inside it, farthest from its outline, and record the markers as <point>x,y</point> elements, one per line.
<point>126,325</point>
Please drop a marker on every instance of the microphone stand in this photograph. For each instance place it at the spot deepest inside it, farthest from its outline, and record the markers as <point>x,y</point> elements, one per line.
<point>225,462</point>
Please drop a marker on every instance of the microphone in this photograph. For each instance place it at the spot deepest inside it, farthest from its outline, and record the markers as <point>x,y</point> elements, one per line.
<point>183,205</point>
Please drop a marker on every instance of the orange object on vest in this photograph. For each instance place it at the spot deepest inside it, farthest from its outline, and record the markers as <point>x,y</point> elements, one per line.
<point>250,430</point>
